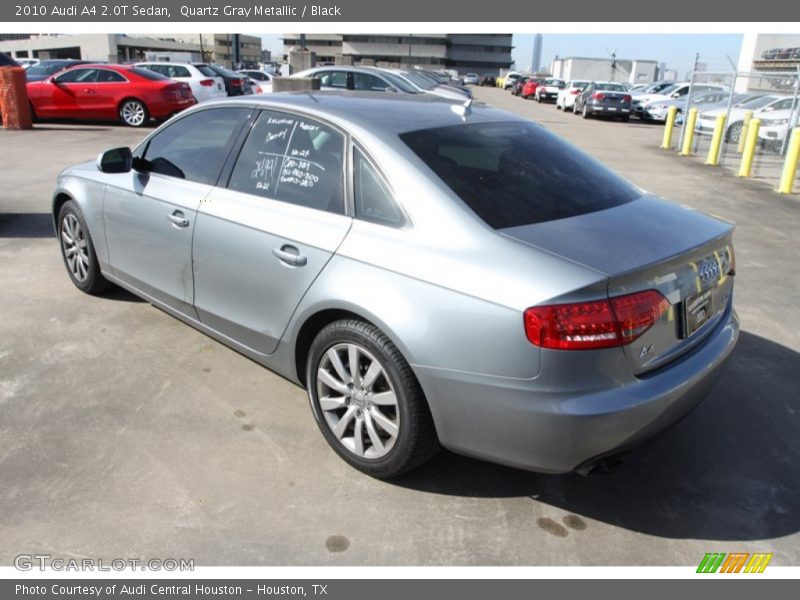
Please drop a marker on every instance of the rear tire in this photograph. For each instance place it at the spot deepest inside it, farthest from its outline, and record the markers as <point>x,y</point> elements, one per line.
<point>586,114</point>
<point>367,402</point>
<point>133,113</point>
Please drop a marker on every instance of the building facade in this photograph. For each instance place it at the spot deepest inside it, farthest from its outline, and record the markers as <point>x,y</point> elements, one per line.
<point>481,53</point>
<point>605,69</point>
<point>776,56</point>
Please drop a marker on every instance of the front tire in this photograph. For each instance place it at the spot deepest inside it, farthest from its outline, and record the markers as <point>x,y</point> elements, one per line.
<point>133,113</point>
<point>367,402</point>
<point>734,132</point>
<point>77,250</point>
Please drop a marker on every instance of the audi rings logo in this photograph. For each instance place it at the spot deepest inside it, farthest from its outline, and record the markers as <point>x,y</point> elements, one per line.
<point>709,272</point>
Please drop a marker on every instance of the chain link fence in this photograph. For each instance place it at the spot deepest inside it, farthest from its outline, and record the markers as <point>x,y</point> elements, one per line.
<point>770,97</point>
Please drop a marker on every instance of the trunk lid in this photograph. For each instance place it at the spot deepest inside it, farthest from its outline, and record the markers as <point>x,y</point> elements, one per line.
<point>650,244</point>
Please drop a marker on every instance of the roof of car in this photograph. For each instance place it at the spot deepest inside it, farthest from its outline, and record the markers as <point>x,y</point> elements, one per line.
<point>391,113</point>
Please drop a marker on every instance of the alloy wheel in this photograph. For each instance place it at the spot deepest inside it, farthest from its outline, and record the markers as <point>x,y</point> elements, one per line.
<point>73,242</point>
<point>358,401</point>
<point>133,113</point>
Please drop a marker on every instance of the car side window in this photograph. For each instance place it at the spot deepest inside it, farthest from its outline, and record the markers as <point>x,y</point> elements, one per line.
<point>77,76</point>
<point>373,200</point>
<point>365,81</point>
<point>106,76</point>
<point>336,79</point>
<point>178,71</point>
<point>195,147</point>
<point>292,159</point>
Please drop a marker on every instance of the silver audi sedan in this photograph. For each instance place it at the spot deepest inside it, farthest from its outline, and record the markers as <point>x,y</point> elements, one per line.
<point>432,273</point>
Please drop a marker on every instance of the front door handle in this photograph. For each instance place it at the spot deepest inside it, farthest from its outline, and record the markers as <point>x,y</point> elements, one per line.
<point>290,255</point>
<point>178,219</point>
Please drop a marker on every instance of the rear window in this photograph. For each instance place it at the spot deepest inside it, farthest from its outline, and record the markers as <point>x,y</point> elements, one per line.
<point>516,173</point>
<point>148,74</point>
<point>206,70</point>
<point>610,87</point>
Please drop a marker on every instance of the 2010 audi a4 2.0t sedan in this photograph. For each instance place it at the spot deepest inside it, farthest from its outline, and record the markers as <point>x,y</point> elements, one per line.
<point>432,273</point>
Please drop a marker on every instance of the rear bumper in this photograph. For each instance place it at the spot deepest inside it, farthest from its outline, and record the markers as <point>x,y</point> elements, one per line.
<point>161,110</point>
<point>608,110</point>
<point>508,421</point>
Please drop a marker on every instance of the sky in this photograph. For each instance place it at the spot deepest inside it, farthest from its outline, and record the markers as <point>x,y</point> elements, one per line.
<point>677,50</point>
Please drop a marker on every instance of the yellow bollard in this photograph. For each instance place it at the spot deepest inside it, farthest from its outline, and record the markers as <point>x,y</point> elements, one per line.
<point>716,141</point>
<point>749,147</point>
<point>672,112</point>
<point>743,133</point>
<point>688,135</point>
<point>790,166</point>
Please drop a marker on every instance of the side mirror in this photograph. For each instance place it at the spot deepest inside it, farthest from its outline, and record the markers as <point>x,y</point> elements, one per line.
<point>117,160</point>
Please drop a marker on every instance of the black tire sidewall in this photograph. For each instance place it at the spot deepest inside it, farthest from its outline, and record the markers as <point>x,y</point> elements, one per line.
<point>95,281</point>
<point>339,332</point>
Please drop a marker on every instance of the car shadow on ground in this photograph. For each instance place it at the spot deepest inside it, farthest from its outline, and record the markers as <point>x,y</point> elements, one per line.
<point>26,225</point>
<point>729,471</point>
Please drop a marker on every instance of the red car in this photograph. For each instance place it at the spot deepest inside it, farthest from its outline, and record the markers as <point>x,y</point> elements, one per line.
<point>529,89</point>
<point>108,92</point>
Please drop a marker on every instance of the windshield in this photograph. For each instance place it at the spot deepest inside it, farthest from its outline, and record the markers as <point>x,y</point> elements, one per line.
<point>206,70</point>
<point>400,83</point>
<point>418,80</point>
<point>554,83</point>
<point>515,173</point>
<point>668,90</point>
<point>758,102</point>
<point>47,68</point>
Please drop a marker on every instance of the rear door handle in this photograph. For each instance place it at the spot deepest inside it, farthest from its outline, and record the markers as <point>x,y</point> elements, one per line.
<point>178,219</point>
<point>290,255</point>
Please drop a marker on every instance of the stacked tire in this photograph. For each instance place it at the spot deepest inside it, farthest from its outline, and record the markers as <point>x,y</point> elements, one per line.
<point>14,102</point>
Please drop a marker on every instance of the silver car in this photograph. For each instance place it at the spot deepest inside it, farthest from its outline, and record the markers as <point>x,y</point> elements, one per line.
<point>432,273</point>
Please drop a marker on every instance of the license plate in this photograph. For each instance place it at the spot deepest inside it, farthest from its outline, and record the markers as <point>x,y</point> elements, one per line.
<point>612,108</point>
<point>696,311</point>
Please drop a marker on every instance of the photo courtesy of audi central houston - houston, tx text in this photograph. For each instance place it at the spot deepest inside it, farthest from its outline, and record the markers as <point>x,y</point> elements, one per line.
<point>396,298</point>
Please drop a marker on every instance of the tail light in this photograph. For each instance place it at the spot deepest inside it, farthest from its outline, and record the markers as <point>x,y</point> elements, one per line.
<point>575,92</point>
<point>598,96</point>
<point>598,324</point>
<point>207,82</point>
<point>236,82</point>
<point>626,98</point>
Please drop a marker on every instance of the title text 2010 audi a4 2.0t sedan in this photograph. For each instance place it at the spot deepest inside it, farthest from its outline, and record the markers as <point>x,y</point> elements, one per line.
<point>432,273</point>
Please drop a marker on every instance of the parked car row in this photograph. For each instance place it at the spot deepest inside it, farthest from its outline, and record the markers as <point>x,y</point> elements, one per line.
<point>133,94</point>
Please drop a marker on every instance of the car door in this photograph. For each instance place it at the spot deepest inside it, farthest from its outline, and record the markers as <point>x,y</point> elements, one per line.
<point>260,242</point>
<point>150,213</point>
<point>71,94</point>
<point>111,88</point>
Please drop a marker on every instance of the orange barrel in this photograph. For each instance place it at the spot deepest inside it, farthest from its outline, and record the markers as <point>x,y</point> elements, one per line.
<point>14,99</point>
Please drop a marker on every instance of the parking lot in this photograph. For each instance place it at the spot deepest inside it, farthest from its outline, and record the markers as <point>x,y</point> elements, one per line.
<point>125,433</point>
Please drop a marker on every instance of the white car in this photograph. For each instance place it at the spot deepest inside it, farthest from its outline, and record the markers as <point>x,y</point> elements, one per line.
<point>658,110</point>
<point>762,107</point>
<point>260,86</point>
<point>677,90</point>
<point>205,83</point>
<point>566,97</point>
<point>510,78</point>
<point>776,125</point>
<point>548,90</point>
<point>471,79</point>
